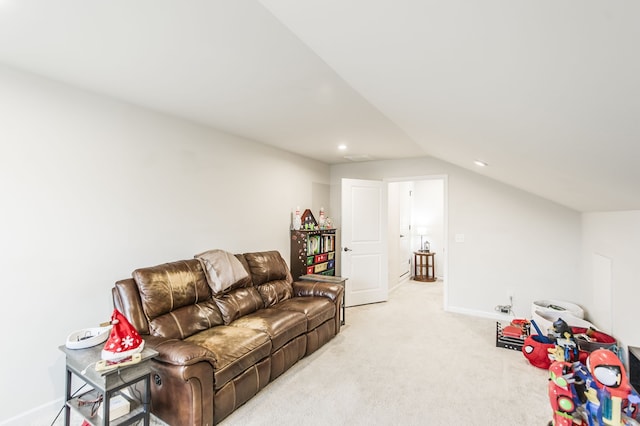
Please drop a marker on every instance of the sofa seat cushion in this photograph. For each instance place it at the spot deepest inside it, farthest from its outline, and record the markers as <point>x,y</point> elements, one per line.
<point>280,325</point>
<point>235,348</point>
<point>316,309</point>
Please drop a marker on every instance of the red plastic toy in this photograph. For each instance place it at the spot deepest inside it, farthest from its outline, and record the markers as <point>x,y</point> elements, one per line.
<point>596,394</point>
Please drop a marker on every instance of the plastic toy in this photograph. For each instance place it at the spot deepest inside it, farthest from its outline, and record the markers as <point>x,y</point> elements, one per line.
<point>566,345</point>
<point>611,380</point>
<point>597,393</point>
<point>562,394</point>
<point>536,349</point>
<point>518,328</point>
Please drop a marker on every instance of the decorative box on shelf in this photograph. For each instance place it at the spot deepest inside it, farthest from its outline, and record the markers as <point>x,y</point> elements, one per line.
<point>308,220</point>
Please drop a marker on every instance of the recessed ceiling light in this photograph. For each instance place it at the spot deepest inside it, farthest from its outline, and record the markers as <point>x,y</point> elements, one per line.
<point>480,163</point>
<point>342,147</point>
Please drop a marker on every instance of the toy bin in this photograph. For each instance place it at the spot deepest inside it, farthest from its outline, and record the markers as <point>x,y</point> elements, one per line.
<point>557,307</point>
<point>589,340</point>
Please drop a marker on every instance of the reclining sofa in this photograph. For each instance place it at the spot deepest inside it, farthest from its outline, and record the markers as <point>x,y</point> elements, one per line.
<point>224,326</point>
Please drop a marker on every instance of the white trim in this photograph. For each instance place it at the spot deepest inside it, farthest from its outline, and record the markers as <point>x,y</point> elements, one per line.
<point>481,314</point>
<point>403,280</point>
<point>43,414</point>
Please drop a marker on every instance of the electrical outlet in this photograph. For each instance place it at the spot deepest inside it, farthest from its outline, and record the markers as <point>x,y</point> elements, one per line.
<point>503,309</point>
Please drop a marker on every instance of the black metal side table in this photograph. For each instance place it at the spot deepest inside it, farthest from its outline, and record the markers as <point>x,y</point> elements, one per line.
<point>106,384</point>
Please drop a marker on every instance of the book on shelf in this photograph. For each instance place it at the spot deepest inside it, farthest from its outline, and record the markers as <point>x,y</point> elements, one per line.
<point>314,245</point>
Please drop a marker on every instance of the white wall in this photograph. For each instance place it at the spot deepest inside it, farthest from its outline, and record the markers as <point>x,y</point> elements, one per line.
<point>515,242</point>
<point>614,236</point>
<point>92,189</point>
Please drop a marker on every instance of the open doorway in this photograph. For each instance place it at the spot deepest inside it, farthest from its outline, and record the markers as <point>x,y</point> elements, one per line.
<point>417,220</point>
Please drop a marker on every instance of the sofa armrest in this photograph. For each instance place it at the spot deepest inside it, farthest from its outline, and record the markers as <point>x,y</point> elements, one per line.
<point>332,291</point>
<point>178,352</point>
<point>183,383</point>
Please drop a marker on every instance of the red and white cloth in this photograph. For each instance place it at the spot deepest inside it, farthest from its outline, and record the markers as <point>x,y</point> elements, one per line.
<point>123,341</point>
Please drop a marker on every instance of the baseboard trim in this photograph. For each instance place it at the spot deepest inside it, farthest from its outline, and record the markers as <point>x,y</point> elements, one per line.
<point>44,414</point>
<point>481,314</point>
<point>403,280</point>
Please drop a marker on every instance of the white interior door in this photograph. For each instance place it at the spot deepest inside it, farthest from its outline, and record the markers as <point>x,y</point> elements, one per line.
<point>364,248</point>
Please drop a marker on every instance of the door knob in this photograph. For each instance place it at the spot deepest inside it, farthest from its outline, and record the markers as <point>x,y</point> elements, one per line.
<point>347,249</point>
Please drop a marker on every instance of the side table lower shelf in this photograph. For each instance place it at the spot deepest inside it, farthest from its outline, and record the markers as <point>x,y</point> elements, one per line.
<point>93,415</point>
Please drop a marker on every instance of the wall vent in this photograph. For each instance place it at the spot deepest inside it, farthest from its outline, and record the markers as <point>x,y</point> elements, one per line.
<point>358,157</point>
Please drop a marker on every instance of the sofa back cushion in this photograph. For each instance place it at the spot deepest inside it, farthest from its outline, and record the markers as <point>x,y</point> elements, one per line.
<point>266,266</point>
<point>239,302</point>
<point>176,299</point>
<point>275,291</point>
<point>270,276</point>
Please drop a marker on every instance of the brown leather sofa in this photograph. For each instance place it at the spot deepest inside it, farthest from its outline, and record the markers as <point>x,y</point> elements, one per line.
<point>217,349</point>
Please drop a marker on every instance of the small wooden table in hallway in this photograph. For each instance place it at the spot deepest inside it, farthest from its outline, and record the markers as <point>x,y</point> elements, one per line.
<point>424,267</point>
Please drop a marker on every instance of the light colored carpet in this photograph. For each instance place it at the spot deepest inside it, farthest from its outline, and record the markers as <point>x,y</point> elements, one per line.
<point>405,362</point>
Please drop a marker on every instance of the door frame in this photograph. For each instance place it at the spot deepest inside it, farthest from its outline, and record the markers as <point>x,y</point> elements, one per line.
<point>445,213</point>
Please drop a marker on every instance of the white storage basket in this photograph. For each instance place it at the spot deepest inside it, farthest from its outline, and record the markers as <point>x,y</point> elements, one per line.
<point>557,306</point>
<point>546,312</point>
<point>545,320</point>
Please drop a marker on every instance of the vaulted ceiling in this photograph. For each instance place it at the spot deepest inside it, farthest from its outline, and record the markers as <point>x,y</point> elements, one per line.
<point>546,92</point>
